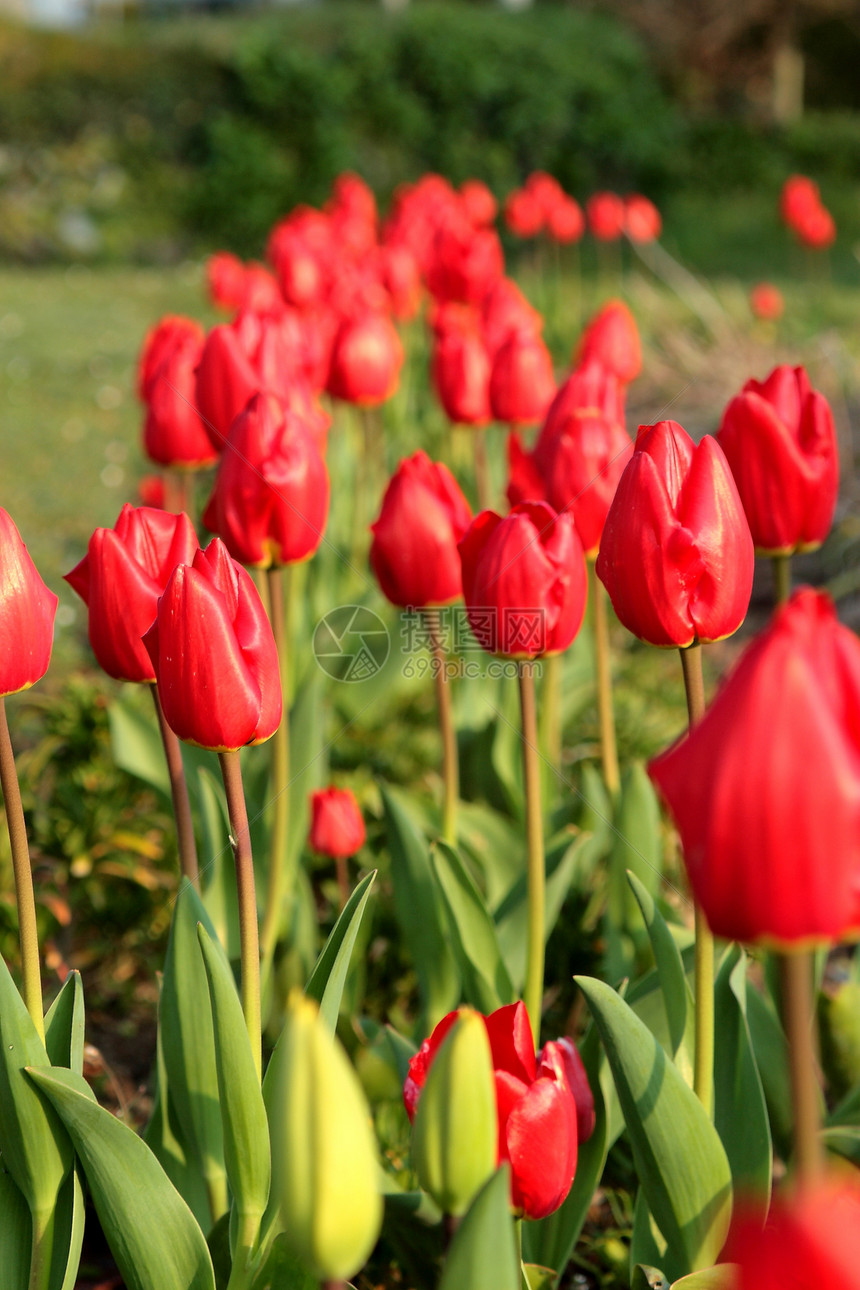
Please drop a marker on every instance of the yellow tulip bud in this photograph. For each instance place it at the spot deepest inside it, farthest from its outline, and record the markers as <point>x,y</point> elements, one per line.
<point>325,1193</point>
<point>455,1135</point>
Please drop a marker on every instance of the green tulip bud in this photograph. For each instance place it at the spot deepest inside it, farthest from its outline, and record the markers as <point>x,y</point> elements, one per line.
<point>455,1135</point>
<point>325,1192</point>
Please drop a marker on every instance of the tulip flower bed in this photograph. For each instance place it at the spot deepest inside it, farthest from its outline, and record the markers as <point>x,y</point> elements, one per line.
<point>504,947</point>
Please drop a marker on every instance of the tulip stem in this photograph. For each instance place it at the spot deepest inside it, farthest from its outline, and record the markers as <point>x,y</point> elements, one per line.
<point>450,768</point>
<point>703,1062</point>
<point>231,771</point>
<point>28,935</point>
<point>551,710</point>
<point>603,676</point>
<point>781,578</point>
<point>482,468</point>
<point>279,840</point>
<point>535,876</point>
<point>798,1014</point>
<point>179,793</point>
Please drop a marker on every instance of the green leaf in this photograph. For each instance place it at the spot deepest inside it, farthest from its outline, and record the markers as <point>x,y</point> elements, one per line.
<point>246,1128</point>
<point>15,1230</point>
<point>721,1277</point>
<point>676,993</point>
<point>647,1244</point>
<point>330,970</point>
<point>188,1044</point>
<point>551,1240</point>
<point>165,1138</point>
<point>771,1055</point>
<point>486,983</point>
<point>64,1025</point>
<point>637,845</point>
<point>562,863</point>
<point>740,1110</point>
<point>35,1147</point>
<point>136,744</point>
<point>483,1254</point>
<point>217,871</point>
<point>538,1278</point>
<point>149,1228</point>
<point>419,911</point>
<point>647,1278</point>
<point>679,1158</point>
<point>67,1232</point>
<point>283,1270</point>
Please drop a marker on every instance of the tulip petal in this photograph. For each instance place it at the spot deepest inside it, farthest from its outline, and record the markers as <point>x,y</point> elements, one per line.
<point>540,1142</point>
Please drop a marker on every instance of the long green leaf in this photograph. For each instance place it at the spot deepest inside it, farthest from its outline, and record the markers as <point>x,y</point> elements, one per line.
<point>35,1147</point>
<point>188,1044</point>
<point>419,911</point>
<point>771,1054</point>
<point>483,1253</point>
<point>740,1110</point>
<point>511,916</point>
<point>15,1231</point>
<point>677,996</point>
<point>329,975</point>
<point>64,1025</point>
<point>679,1158</point>
<point>246,1128</point>
<point>67,1232</point>
<point>149,1228</point>
<point>486,983</point>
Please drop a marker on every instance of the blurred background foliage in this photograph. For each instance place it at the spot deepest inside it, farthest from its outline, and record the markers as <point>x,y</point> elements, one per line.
<point>154,139</point>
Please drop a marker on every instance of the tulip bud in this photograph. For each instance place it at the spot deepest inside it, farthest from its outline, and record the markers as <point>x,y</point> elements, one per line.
<point>27,610</point>
<point>325,1173</point>
<point>765,789</point>
<point>605,213</point>
<point>214,655</point>
<point>676,554</point>
<point>522,383</point>
<point>612,338</point>
<point>337,826</point>
<point>423,517</point>
<point>780,441</point>
<point>524,580</point>
<point>455,1137</point>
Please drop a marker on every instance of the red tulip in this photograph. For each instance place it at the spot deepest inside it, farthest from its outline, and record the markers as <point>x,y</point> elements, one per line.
<point>606,216</point>
<point>524,580</point>
<point>581,465</point>
<point>642,222</point>
<point>170,331</point>
<point>524,215</point>
<point>271,495</point>
<point>400,275</point>
<point>799,194</point>
<point>504,309</point>
<point>299,265</point>
<point>214,655</point>
<point>460,372</point>
<point>811,1240</point>
<point>337,826</point>
<point>27,610</point>
<point>766,301</point>
<point>522,383</point>
<point>537,1113</point>
<point>414,550</point>
<point>173,433</point>
<point>120,579</point>
<point>545,189</point>
<point>366,359</point>
<point>580,454</point>
<point>676,555</point>
<point>815,228</point>
<point>478,202</point>
<point>565,221</point>
<point>765,789</point>
<point>225,280</point>
<point>612,338</point>
<point>780,441</point>
<point>465,261</point>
